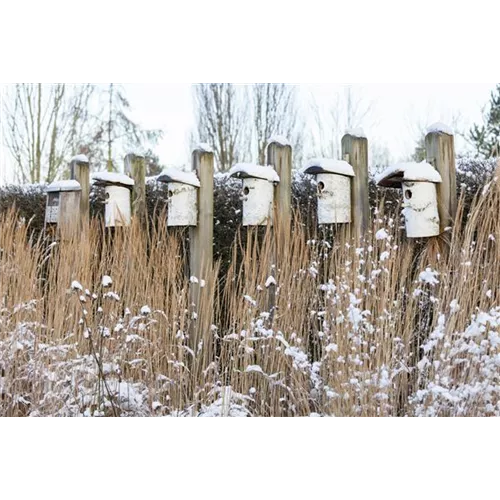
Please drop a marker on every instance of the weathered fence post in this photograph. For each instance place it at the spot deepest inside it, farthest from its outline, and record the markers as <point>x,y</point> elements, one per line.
<point>279,156</point>
<point>201,237</point>
<point>80,172</point>
<point>135,167</point>
<point>355,152</point>
<point>62,213</point>
<point>440,147</point>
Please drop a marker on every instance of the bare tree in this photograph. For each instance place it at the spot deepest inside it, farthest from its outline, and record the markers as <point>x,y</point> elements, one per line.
<point>274,113</point>
<point>116,133</point>
<point>347,110</point>
<point>43,125</point>
<point>419,121</point>
<point>222,121</point>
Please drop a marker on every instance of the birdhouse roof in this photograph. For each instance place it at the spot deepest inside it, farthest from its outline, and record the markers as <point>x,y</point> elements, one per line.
<point>394,176</point>
<point>176,175</point>
<point>328,166</point>
<point>111,178</point>
<point>59,186</point>
<point>250,171</point>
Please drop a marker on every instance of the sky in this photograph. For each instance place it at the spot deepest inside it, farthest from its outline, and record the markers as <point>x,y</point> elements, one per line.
<point>397,112</point>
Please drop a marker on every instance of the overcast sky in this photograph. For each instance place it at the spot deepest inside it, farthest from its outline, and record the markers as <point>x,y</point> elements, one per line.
<point>397,112</point>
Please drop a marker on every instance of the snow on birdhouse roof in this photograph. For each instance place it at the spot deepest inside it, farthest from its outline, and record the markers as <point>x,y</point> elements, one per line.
<point>57,187</point>
<point>440,128</point>
<point>328,166</point>
<point>279,139</point>
<point>204,148</point>
<point>248,170</point>
<point>137,153</point>
<point>408,172</point>
<point>356,132</point>
<point>176,175</point>
<point>80,159</point>
<point>112,178</point>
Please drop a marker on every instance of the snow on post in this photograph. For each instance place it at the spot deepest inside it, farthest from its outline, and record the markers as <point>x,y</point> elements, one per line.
<point>334,180</point>
<point>355,152</point>
<point>258,192</point>
<point>135,168</point>
<point>418,181</point>
<point>80,172</point>
<point>62,213</point>
<point>182,197</point>
<point>118,187</point>
<point>440,147</point>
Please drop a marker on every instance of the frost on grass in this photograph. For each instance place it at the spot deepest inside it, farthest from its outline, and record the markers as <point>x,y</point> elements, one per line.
<point>106,281</point>
<point>381,235</point>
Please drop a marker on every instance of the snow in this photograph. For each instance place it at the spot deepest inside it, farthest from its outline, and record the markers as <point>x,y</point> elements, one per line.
<point>382,235</point>
<point>356,132</point>
<point>106,281</point>
<point>80,159</point>
<point>138,153</point>
<point>279,139</point>
<point>76,286</point>
<point>176,175</point>
<point>245,170</point>
<point>254,369</point>
<point>270,281</point>
<point>146,311</point>
<point>408,172</point>
<point>429,277</point>
<point>113,178</point>
<point>440,128</point>
<point>59,186</point>
<point>204,148</point>
<point>330,166</point>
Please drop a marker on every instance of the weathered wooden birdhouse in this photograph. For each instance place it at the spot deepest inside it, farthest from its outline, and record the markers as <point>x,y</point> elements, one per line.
<point>418,182</point>
<point>258,192</point>
<point>334,179</point>
<point>118,190</point>
<point>183,190</point>
<point>62,213</point>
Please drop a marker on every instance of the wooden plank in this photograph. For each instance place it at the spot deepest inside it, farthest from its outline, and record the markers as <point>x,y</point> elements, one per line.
<point>80,171</point>
<point>135,167</point>
<point>69,216</point>
<point>355,152</point>
<point>201,241</point>
<point>279,156</point>
<point>440,147</point>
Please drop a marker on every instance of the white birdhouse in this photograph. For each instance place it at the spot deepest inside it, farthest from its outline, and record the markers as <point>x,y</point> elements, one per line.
<point>334,180</point>
<point>418,181</point>
<point>118,189</point>
<point>258,192</point>
<point>63,206</point>
<point>183,190</point>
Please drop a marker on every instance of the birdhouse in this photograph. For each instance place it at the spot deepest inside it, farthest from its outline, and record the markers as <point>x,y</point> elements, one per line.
<point>118,190</point>
<point>258,192</point>
<point>62,212</point>
<point>183,190</point>
<point>418,182</point>
<point>334,180</point>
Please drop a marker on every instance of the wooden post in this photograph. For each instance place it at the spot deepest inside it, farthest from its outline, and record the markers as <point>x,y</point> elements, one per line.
<point>80,172</point>
<point>279,156</point>
<point>440,147</point>
<point>201,238</point>
<point>135,167</point>
<point>355,152</point>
